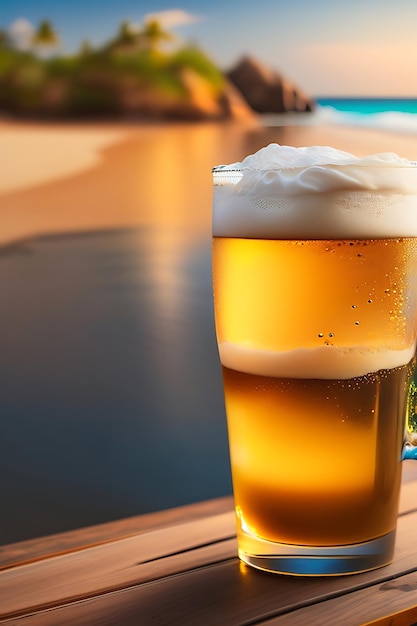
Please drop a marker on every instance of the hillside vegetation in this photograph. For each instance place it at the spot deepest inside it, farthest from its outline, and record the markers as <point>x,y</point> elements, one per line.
<point>131,75</point>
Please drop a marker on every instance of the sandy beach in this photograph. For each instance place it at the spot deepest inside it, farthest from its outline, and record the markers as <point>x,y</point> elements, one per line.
<point>60,178</point>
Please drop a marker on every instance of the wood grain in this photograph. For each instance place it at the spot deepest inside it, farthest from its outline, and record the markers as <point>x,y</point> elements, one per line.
<point>118,564</point>
<point>35,549</point>
<point>380,605</point>
<point>189,574</point>
<point>204,585</point>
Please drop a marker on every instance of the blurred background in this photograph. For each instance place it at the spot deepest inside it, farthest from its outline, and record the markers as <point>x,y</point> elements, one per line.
<point>111,118</point>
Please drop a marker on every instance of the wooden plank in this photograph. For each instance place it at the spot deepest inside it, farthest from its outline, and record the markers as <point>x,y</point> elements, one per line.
<point>117,564</point>
<point>408,617</point>
<point>221,595</point>
<point>199,586</point>
<point>62,543</point>
<point>35,549</point>
<point>391,603</point>
<point>160,554</point>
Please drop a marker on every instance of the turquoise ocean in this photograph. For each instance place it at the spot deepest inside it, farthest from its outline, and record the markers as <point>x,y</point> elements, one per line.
<point>398,115</point>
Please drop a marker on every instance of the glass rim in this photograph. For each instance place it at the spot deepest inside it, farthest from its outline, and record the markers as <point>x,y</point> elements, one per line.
<point>220,169</point>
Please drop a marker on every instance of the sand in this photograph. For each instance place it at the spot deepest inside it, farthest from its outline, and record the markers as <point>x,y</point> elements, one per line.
<point>35,155</point>
<point>75,177</point>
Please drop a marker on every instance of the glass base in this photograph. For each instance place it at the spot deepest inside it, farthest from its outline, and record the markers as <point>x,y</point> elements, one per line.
<point>316,560</point>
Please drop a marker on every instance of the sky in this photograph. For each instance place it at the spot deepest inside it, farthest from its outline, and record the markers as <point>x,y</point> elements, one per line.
<point>327,47</point>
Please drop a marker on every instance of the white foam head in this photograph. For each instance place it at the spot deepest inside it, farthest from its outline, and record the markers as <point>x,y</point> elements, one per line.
<point>317,192</point>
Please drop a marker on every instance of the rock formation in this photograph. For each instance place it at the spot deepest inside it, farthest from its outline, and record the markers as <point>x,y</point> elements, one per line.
<point>266,90</point>
<point>199,101</point>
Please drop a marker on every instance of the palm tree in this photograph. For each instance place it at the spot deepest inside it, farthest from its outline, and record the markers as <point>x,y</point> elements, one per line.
<point>127,35</point>
<point>127,39</point>
<point>152,35</point>
<point>45,37</point>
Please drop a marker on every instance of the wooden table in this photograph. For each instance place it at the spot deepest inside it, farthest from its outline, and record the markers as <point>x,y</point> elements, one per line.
<point>179,567</point>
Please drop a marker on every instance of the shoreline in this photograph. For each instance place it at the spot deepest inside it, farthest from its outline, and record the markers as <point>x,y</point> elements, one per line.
<point>75,178</point>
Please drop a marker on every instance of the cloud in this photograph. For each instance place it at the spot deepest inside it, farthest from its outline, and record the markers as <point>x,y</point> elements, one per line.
<point>21,33</point>
<point>173,17</point>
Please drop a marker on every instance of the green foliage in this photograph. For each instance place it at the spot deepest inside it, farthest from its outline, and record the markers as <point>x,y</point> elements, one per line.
<point>193,58</point>
<point>87,100</point>
<point>99,81</point>
<point>153,35</point>
<point>8,61</point>
<point>22,78</point>
<point>45,35</point>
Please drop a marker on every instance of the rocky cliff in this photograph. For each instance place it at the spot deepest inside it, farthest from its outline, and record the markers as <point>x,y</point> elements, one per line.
<point>266,90</point>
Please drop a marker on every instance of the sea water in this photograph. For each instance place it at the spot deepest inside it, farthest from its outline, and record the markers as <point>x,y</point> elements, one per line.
<point>398,115</point>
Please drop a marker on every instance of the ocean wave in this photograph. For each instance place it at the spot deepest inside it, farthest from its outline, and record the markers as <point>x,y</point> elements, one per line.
<point>393,121</point>
<point>388,121</point>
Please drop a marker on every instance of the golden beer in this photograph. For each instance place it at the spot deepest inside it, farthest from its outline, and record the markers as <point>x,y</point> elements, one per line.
<point>315,294</point>
<point>317,341</point>
<point>322,457</point>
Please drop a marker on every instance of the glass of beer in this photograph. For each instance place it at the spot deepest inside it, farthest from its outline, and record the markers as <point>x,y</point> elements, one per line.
<point>315,294</point>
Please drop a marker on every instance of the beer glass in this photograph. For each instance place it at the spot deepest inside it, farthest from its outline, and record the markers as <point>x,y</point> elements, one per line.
<point>315,296</point>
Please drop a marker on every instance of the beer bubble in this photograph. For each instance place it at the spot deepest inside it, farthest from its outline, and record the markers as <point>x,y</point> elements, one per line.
<point>353,306</point>
<point>357,323</point>
<point>331,334</point>
<point>370,301</point>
